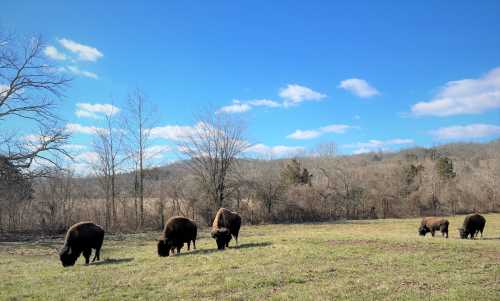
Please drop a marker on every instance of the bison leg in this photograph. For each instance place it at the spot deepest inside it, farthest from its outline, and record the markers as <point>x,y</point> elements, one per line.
<point>86,254</point>
<point>189,245</point>
<point>97,254</point>
<point>194,244</point>
<point>236,238</point>
<point>179,250</point>
<point>432,232</point>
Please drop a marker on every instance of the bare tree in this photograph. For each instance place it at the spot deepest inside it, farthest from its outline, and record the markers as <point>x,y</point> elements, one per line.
<point>138,120</point>
<point>108,146</point>
<point>211,150</point>
<point>29,89</point>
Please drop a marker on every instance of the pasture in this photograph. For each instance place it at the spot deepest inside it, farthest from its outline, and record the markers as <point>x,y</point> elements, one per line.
<point>354,260</point>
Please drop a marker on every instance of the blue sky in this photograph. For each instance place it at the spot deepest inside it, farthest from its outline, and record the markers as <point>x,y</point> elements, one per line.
<point>367,75</point>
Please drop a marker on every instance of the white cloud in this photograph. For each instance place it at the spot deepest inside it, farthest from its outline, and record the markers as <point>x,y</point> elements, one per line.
<point>75,147</point>
<point>54,54</point>
<point>77,71</point>
<point>173,132</point>
<point>310,134</point>
<point>3,89</point>
<point>239,106</point>
<point>84,52</point>
<point>359,87</point>
<point>87,157</point>
<point>279,150</point>
<point>156,151</point>
<point>78,128</point>
<point>236,107</point>
<point>307,134</point>
<point>86,114</point>
<point>264,103</point>
<point>377,145</point>
<point>294,94</point>
<point>466,96</point>
<point>466,131</point>
<point>89,110</point>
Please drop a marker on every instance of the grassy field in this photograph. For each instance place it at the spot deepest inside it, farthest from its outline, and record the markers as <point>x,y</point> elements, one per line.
<point>358,260</point>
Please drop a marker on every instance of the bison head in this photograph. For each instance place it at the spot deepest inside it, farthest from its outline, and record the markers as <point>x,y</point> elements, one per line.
<point>164,247</point>
<point>222,236</point>
<point>68,256</point>
<point>423,230</point>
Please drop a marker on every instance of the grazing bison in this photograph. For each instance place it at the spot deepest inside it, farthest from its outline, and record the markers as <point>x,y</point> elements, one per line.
<point>473,223</point>
<point>81,237</point>
<point>226,223</point>
<point>178,230</point>
<point>433,224</point>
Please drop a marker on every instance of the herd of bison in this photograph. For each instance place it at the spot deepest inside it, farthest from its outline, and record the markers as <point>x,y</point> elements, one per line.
<point>85,236</point>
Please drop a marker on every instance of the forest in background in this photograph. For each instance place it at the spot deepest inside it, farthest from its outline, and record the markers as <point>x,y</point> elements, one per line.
<point>445,180</point>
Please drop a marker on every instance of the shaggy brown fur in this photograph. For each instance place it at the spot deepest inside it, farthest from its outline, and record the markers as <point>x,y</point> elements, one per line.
<point>82,237</point>
<point>473,223</point>
<point>226,223</point>
<point>433,224</point>
<point>177,231</point>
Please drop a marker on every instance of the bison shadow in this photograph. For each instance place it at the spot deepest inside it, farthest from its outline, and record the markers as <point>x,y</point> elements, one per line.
<point>254,245</point>
<point>113,261</point>
<point>209,251</point>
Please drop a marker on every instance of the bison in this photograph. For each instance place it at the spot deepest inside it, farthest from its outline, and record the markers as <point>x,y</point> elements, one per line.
<point>473,223</point>
<point>177,231</point>
<point>81,237</point>
<point>226,223</point>
<point>433,224</point>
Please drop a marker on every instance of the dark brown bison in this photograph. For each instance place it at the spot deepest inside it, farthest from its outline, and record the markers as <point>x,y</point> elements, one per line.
<point>433,224</point>
<point>81,237</point>
<point>177,231</point>
<point>473,223</point>
<point>226,223</point>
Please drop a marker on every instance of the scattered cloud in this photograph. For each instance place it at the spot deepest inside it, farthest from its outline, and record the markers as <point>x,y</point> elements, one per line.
<point>3,89</point>
<point>75,147</point>
<point>236,107</point>
<point>377,145</point>
<point>357,117</point>
<point>156,151</point>
<point>87,157</point>
<point>359,87</point>
<point>173,132</point>
<point>466,96</point>
<point>77,71</point>
<point>82,129</point>
<point>240,106</point>
<point>294,94</point>
<point>278,151</point>
<point>96,110</point>
<point>307,134</point>
<point>310,134</point>
<point>84,52</point>
<point>264,103</point>
<point>470,131</point>
<point>53,53</point>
